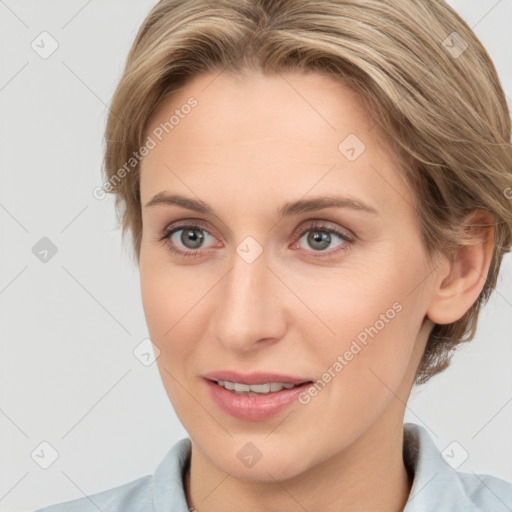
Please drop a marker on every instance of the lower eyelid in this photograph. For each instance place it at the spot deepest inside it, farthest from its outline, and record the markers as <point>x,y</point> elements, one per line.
<point>342,247</point>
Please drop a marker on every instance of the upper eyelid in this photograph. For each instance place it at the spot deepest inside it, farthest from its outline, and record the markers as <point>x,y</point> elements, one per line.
<point>324,225</point>
<point>185,223</point>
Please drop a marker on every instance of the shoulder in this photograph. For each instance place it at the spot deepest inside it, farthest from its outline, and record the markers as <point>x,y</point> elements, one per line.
<point>487,492</point>
<point>438,486</point>
<point>152,493</point>
<point>128,497</point>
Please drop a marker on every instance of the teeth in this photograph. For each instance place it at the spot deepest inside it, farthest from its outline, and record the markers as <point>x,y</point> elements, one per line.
<point>261,389</point>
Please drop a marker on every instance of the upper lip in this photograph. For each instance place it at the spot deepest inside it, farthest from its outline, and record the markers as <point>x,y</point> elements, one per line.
<point>253,378</point>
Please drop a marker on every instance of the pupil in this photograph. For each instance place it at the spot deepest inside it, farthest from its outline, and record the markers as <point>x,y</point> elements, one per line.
<point>191,235</point>
<point>324,239</point>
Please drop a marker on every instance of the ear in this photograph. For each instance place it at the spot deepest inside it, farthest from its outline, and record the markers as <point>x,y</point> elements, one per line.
<point>464,273</point>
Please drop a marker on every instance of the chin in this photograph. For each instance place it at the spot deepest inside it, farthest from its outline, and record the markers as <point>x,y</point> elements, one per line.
<point>268,469</point>
<point>260,458</point>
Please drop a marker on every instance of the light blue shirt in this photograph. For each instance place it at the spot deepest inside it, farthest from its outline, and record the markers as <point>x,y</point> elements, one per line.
<point>436,486</point>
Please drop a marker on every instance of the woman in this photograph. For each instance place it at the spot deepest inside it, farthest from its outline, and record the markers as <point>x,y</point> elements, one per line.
<point>318,195</point>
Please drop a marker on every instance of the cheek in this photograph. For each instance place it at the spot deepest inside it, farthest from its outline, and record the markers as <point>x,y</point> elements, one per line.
<point>174,299</point>
<point>374,314</point>
<point>168,298</point>
<point>361,369</point>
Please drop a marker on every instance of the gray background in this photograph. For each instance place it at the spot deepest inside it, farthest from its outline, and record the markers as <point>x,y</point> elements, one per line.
<point>70,325</point>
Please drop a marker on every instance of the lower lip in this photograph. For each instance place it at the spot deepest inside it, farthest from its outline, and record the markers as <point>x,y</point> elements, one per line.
<point>254,408</point>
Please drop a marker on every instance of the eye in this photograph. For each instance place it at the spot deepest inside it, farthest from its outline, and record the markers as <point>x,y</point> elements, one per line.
<point>186,239</point>
<point>189,239</point>
<point>319,236</point>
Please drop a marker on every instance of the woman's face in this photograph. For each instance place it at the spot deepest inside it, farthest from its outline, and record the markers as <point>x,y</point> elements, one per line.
<point>266,278</point>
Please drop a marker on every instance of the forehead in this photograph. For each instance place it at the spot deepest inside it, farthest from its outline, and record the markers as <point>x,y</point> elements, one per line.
<point>252,133</point>
<point>234,109</point>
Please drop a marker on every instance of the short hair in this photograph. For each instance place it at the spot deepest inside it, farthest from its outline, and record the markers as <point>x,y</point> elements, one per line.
<point>416,64</point>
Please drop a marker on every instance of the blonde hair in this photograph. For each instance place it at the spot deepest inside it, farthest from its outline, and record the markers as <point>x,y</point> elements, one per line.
<point>418,66</point>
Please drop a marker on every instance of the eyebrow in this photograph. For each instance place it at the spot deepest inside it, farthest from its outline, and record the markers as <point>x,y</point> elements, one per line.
<point>290,208</point>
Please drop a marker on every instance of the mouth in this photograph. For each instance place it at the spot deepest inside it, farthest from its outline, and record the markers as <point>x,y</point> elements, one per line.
<point>258,397</point>
<point>267,388</point>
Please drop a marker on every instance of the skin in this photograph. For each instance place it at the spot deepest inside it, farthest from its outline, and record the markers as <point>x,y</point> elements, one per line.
<point>252,143</point>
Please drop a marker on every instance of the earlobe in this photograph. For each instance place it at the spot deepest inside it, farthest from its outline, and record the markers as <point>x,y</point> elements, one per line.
<point>460,285</point>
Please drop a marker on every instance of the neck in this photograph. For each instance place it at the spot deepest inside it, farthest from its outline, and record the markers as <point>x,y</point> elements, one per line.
<point>369,475</point>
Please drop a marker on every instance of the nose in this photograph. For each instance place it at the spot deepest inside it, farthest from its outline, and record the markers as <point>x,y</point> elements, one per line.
<point>249,311</point>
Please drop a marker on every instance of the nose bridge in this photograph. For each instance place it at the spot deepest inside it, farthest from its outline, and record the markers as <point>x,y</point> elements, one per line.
<point>247,310</point>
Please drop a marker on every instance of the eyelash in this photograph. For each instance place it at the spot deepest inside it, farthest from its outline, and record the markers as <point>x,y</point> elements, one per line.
<point>315,226</point>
